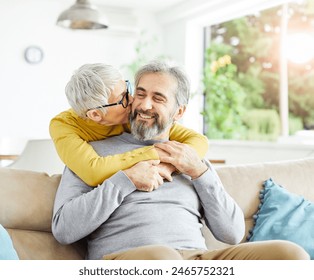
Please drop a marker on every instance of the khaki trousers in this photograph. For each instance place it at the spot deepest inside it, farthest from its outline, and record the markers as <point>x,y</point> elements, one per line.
<point>262,250</point>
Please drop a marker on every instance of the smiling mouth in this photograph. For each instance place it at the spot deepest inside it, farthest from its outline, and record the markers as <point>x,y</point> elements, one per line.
<point>145,117</point>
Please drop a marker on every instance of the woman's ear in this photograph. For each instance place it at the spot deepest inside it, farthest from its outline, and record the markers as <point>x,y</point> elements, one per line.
<point>179,114</point>
<point>95,115</point>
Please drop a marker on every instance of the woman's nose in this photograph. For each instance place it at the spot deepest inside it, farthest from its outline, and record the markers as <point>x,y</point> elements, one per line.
<point>131,98</point>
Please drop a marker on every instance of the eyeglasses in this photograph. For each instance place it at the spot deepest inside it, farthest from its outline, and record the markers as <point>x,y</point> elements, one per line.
<point>124,100</point>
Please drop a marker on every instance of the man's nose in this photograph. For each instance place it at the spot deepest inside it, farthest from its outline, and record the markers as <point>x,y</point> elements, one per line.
<point>146,104</point>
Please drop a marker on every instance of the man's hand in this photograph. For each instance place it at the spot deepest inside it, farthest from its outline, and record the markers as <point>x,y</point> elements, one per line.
<point>145,175</point>
<point>165,170</point>
<point>183,157</point>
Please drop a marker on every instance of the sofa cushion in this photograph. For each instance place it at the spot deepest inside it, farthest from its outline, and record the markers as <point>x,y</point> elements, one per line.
<point>26,204</point>
<point>284,215</point>
<point>40,245</point>
<point>26,199</point>
<point>7,251</point>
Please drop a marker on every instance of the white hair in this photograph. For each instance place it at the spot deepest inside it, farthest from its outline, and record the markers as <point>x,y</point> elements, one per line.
<point>90,86</point>
<point>182,93</point>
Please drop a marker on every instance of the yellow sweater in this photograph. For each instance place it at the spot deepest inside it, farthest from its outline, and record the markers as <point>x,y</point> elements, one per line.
<point>70,134</point>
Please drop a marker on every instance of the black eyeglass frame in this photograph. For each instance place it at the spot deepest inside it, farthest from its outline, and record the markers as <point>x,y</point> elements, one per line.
<point>125,96</point>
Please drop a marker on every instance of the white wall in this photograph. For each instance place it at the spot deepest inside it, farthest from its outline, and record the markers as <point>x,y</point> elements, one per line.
<point>32,94</point>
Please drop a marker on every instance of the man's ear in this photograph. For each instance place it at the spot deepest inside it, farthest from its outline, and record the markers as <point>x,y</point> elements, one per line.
<point>179,114</point>
<point>95,115</point>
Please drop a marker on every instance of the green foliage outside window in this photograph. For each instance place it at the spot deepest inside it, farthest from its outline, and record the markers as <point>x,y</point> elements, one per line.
<point>263,124</point>
<point>242,98</point>
<point>229,110</point>
<point>224,97</point>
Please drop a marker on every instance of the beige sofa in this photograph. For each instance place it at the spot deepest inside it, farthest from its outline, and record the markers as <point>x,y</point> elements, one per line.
<point>26,201</point>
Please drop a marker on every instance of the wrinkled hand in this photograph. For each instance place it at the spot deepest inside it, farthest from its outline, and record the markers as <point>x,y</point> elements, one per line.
<point>145,175</point>
<point>161,153</point>
<point>165,170</point>
<point>184,158</point>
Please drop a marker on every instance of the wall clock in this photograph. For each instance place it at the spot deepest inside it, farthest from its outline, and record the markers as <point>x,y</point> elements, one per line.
<point>33,54</point>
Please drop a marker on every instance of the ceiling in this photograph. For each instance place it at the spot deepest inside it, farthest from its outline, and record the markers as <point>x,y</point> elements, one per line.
<point>204,11</point>
<point>149,5</point>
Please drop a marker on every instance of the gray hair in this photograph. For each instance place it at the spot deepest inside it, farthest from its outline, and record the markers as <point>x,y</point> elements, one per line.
<point>182,93</point>
<point>90,86</point>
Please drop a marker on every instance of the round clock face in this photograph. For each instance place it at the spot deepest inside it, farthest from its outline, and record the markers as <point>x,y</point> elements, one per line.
<point>33,54</point>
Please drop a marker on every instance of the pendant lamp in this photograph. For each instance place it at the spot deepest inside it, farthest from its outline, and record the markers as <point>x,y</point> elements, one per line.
<point>82,15</point>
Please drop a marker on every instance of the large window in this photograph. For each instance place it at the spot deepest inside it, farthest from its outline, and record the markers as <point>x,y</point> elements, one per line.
<point>258,74</point>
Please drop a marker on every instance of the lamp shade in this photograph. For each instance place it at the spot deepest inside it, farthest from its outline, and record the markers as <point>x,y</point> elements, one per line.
<point>82,15</point>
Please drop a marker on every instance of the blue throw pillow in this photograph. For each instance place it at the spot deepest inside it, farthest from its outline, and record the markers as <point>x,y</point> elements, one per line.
<point>7,251</point>
<point>284,216</point>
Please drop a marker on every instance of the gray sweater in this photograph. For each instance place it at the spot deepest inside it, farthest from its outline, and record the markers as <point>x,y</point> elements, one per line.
<point>115,216</point>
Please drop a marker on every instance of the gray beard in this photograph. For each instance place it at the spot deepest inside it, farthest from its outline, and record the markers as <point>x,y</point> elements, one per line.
<point>141,131</point>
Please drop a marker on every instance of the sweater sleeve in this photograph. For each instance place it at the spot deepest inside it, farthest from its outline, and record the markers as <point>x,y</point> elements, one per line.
<point>71,143</point>
<point>79,209</point>
<point>188,136</point>
<point>222,214</point>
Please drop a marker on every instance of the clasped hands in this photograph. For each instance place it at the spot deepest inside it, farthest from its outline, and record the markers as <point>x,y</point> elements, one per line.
<point>173,156</point>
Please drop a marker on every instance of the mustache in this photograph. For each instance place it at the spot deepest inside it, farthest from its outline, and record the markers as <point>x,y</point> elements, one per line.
<point>148,113</point>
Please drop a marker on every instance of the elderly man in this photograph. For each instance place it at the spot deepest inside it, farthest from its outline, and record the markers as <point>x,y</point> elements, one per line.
<point>164,222</point>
